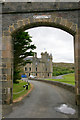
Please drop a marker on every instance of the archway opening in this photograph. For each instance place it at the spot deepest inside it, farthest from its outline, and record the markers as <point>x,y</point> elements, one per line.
<point>56,42</point>
<point>28,23</point>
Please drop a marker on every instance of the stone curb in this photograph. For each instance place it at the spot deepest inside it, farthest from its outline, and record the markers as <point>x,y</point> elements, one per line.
<point>20,98</point>
<point>66,86</point>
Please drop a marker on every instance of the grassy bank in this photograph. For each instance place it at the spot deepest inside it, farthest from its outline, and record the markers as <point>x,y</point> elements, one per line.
<point>70,79</point>
<point>18,89</point>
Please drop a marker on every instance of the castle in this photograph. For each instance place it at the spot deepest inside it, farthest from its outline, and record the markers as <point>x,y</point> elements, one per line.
<point>39,67</point>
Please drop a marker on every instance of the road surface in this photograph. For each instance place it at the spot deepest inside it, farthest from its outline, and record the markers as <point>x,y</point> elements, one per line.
<point>42,103</point>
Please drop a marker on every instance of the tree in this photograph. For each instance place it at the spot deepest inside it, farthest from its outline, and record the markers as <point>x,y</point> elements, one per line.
<point>22,49</point>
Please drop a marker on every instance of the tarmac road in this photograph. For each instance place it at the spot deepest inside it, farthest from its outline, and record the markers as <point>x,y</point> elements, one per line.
<point>42,102</point>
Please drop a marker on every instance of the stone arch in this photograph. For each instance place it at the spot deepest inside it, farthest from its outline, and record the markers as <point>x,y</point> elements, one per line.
<point>7,47</point>
<point>53,21</point>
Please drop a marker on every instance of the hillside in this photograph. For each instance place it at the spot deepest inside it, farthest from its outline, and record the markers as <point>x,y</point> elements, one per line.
<point>62,68</point>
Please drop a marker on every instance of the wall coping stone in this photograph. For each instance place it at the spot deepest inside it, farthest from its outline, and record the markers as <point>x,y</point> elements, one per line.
<point>66,86</point>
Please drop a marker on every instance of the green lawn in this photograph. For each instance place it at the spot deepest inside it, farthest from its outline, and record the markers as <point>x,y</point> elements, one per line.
<point>18,88</point>
<point>70,79</point>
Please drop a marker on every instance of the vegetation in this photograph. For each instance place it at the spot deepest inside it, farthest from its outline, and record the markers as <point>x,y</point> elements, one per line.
<point>70,79</point>
<point>22,49</point>
<point>18,89</point>
<point>62,68</point>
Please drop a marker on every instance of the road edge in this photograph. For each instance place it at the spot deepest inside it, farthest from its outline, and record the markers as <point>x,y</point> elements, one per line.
<point>22,97</point>
<point>66,86</point>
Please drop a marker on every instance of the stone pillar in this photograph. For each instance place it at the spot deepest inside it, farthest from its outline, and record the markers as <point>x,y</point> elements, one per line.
<point>7,69</point>
<point>77,66</point>
<point>0,61</point>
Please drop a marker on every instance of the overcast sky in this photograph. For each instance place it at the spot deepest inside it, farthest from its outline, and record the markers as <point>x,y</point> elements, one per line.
<point>55,41</point>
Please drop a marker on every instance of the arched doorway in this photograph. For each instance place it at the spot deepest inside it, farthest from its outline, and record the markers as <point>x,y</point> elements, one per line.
<point>7,53</point>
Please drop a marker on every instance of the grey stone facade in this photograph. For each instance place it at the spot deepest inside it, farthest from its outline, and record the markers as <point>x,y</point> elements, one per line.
<point>40,67</point>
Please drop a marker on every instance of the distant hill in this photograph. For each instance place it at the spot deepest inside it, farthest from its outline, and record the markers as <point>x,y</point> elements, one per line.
<point>62,68</point>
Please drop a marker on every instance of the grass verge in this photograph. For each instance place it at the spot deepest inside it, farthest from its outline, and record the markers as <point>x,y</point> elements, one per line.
<point>70,79</point>
<point>18,89</point>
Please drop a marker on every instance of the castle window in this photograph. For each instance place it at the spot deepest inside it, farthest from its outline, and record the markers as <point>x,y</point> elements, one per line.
<point>29,74</point>
<point>46,69</point>
<point>30,69</point>
<point>25,68</point>
<point>36,68</point>
<point>36,74</point>
<point>48,74</point>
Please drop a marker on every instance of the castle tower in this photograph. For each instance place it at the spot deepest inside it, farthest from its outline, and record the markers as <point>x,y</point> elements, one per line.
<point>47,59</point>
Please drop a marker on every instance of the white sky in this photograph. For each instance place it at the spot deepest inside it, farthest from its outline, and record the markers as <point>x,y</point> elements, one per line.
<point>55,41</point>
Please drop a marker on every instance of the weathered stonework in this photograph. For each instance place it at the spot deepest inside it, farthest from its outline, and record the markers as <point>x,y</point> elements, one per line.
<point>17,16</point>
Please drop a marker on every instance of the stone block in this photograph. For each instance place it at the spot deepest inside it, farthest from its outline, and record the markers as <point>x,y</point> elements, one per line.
<point>3,47</point>
<point>6,54</point>
<point>31,19</point>
<point>16,26</point>
<point>58,20</point>
<point>20,23</point>
<point>8,46</point>
<point>7,84</point>
<point>11,29</point>
<point>26,21</point>
<point>6,33</point>
<point>6,40</point>
<point>74,27</point>
<point>63,22</point>
<point>68,24</point>
<point>52,19</point>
